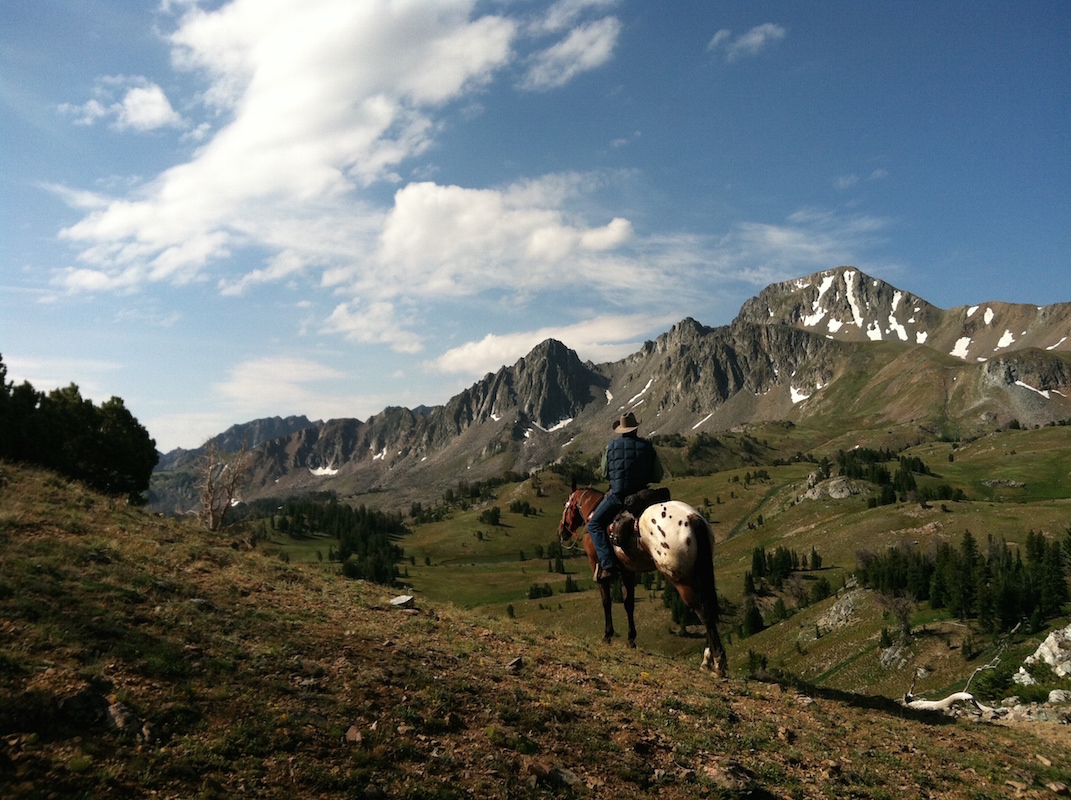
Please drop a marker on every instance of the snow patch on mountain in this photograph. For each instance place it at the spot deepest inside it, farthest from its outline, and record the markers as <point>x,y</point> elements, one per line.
<point>818,312</point>
<point>853,301</point>
<point>641,393</point>
<point>1043,392</point>
<point>798,396</point>
<point>962,347</point>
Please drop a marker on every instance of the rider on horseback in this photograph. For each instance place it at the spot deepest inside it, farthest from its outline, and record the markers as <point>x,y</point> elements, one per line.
<point>630,463</point>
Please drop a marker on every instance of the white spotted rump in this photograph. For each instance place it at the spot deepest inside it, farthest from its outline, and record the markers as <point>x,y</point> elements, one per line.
<point>670,539</point>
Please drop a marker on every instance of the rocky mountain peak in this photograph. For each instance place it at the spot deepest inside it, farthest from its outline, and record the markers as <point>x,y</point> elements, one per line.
<point>846,304</point>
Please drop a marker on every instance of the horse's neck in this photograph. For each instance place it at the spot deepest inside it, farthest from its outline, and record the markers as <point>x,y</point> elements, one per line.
<point>589,499</point>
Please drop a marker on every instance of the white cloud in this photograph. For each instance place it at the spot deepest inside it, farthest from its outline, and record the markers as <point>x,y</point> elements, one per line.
<point>585,48</point>
<point>315,101</point>
<point>719,37</point>
<point>326,97</point>
<point>46,374</point>
<point>143,106</point>
<point>448,240</point>
<point>602,339</point>
<point>748,44</point>
<point>565,13</point>
<point>372,323</point>
<point>275,382</point>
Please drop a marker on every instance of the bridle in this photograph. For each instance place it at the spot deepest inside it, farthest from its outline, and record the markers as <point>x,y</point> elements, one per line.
<point>573,510</point>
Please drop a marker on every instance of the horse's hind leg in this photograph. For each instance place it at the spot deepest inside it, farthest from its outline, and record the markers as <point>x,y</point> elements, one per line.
<point>704,602</point>
<point>607,605</point>
<point>628,582</point>
<point>713,658</point>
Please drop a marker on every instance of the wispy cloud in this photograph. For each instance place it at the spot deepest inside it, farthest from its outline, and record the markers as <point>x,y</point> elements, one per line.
<point>565,13</point>
<point>747,44</point>
<point>46,374</point>
<point>851,179</point>
<point>257,386</point>
<point>585,48</point>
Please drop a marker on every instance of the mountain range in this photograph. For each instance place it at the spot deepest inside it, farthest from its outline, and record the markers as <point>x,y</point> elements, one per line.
<point>838,351</point>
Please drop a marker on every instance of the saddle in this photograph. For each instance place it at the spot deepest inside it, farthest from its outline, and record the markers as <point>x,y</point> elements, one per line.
<point>622,531</point>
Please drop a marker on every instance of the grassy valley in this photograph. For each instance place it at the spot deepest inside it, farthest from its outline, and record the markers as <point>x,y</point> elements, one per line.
<point>1014,481</point>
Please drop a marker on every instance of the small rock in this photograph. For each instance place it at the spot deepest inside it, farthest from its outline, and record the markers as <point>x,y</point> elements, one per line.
<point>353,736</point>
<point>515,665</point>
<point>121,717</point>
<point>1058,788</point>
<point>568,778</point>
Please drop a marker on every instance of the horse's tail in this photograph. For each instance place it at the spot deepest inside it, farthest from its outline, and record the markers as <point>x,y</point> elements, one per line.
<point>703,569</point>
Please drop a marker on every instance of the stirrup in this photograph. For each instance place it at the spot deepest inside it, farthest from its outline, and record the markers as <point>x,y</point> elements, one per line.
<point>602,574</point>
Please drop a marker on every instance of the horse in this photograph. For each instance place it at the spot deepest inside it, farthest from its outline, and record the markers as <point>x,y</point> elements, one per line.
<point>671,537</point>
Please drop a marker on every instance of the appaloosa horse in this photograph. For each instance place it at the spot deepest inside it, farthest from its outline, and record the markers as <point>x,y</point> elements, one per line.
<point>671,537</point>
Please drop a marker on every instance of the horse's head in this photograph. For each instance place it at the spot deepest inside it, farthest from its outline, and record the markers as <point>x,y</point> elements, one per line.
<point>572,518</point>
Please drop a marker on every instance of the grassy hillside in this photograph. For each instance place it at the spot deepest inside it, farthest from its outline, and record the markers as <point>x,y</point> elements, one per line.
<point>1014,481</point>
<point>142,657</point>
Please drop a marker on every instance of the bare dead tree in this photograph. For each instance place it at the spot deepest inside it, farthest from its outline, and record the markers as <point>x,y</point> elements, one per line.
<point>966,697</point>
<point>901,607</point>
<point>221,476</point>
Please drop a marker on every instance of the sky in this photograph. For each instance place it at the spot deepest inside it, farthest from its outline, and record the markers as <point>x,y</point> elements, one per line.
<point>221,211</point>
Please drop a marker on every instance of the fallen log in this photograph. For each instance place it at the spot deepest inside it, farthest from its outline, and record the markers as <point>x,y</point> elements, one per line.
<point>945,704</point>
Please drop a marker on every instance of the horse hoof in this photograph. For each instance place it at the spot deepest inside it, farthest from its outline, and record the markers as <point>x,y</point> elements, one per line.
<point>632,643</point>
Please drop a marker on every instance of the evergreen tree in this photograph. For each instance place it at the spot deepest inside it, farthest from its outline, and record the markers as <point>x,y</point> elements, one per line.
<point>679,611</point>
<point>105,447</point>
<point>752,623</point>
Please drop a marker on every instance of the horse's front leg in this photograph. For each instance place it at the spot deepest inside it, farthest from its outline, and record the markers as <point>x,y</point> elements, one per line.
<point>628,582</point>
<point>607,606</point>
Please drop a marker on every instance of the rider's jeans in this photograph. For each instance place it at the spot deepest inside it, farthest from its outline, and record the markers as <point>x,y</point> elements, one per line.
<point>600,518</point>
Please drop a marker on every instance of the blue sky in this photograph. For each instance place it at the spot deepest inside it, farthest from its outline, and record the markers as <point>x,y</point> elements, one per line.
<point>220,211</point>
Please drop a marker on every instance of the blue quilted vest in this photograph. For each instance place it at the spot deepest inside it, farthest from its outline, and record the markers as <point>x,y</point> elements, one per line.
<point>628,464</point>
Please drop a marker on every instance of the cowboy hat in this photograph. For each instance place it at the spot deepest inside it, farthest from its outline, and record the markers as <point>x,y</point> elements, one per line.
<point>627,423</point>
